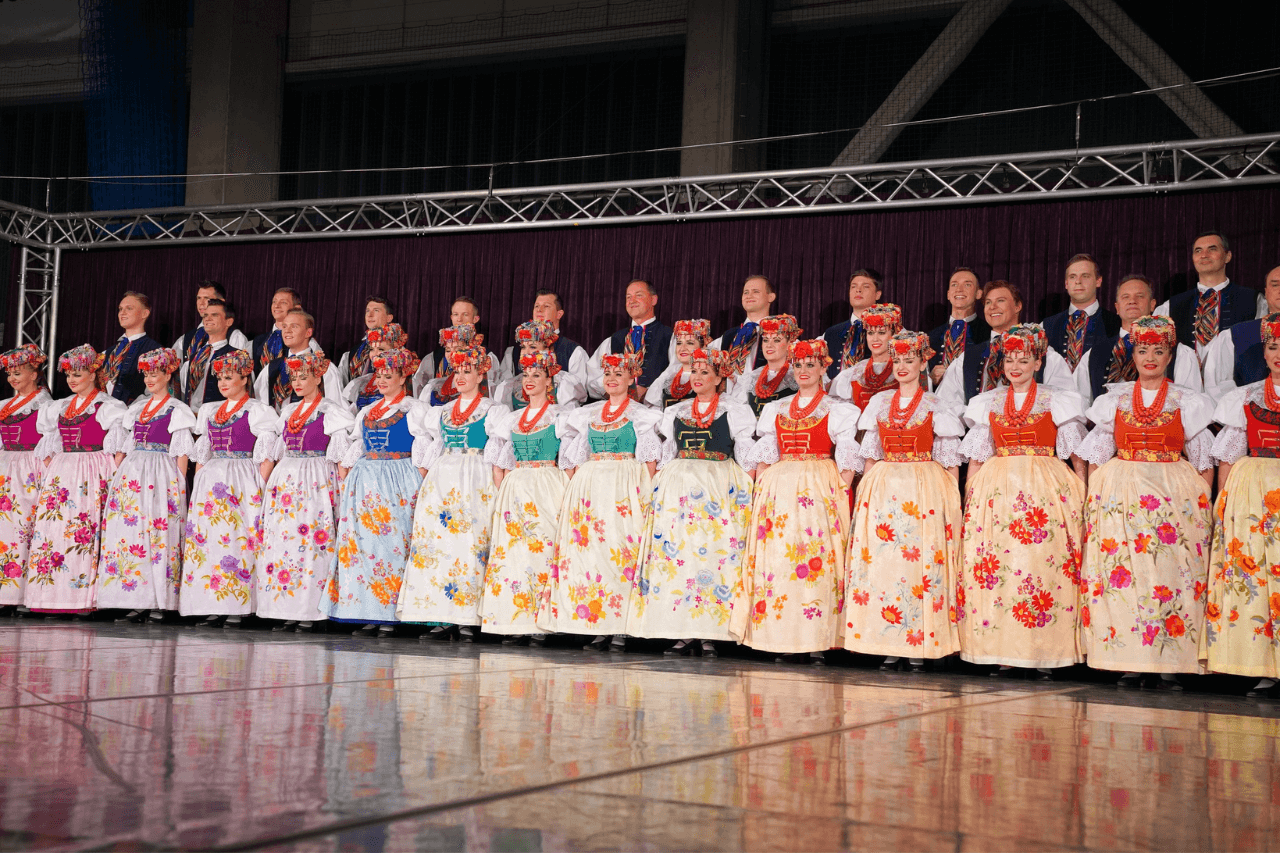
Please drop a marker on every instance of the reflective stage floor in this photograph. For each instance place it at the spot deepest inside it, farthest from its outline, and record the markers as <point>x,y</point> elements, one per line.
<point>146,738</point>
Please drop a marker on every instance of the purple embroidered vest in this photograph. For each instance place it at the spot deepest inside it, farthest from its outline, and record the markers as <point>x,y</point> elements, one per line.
<point>82,434</point>
<point>311,441</point>
<point>18,432</point>
<point>153,435</point>
<point>234,440</point>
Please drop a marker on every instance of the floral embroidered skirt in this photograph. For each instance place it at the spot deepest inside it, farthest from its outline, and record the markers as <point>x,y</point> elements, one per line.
<point>445,575</point>
<point>794,575</point>
<point>375,521</point>
<point>299,528</point>
<point>599,544</point>
<point>1242,620</point>
<point>526,514</point>
<point>691,580</point>
<point>1146,562</point>
<point>20,472</point>
<point>903,563</point>
<point>141,563</point>
<point>223,537</point>
<point>62,565</point>
<point>1017,602</point>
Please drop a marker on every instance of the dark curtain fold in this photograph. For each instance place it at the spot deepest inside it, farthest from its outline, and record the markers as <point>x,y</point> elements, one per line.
<point>698,267</point>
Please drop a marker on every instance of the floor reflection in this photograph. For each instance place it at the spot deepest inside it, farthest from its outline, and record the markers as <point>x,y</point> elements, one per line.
<point>162,737</point>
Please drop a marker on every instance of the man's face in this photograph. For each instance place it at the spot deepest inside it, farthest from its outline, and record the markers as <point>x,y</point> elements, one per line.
<point>640,301</point>
<point>1001,309</point>
<point>131,314</point>
<point>376,315</point>
<point>215,322</point>
<point>1082,283</point>
<point>203,295</point>
<point>1208,256</point>
<point>756,296</point>
<point>1133,300</point>
<point>295,332</point>
<point>963,293</point>
<point>863,292</point>
<point>1272,291</point>
<point>282,304</point>
<point>545,308</point>
<point>462,313</point>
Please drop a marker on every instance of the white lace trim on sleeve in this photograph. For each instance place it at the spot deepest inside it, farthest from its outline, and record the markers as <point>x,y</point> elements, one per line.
<point>871,447</point>
<point>203,451</point>
<point>181,443</point>
<point>1098,447</point>
<point>765,452</point>
<point>1070,436</point>
<point>1199,450</point>
<point>648,447</point>
<point>978,445</point>
<point>946,451</point>
<point>849,455</point>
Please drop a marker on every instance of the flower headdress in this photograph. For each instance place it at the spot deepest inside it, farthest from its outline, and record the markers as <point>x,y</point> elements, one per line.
<point>308,363</point>
<point>162,358</point>
<point>781,324</point>
<point>537,331</point>
<point>911,343</point>
<point>883,315</point>
<point>1271,328</point>
<point>1025,337</point>
<point>392,334</point>
<point>700,329</point>
<point>544,361</point>
<point>629,363</point>
<point>815,348</point>
<point>464,334</point>
<point>235,361</point>
<point>400,360</point>
<point>83,357</point>
<point>1154,330</point>
<point>25,354</point>
<point>474,355</point>
<point>718,360</point>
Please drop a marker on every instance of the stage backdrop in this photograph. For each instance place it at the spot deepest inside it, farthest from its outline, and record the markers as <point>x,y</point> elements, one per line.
<point>697,267</point>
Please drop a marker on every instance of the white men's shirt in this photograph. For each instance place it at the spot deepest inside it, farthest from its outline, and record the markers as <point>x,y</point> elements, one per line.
<point>1162,310</point>
<point>595,372</point>
<point>236,338</point>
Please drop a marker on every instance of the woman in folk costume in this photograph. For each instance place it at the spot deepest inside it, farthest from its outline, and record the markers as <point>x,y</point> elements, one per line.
<point>375,511</point>
<point>539,336</point>
<point>774,381</point>
<point>526,512</point>
<point>690,582</point>
<point>1147,518</point>
<point>299,524</point>
<point>450,548</point>
<point>904,548</point>
<point>672,385</point>
<point>872,375</point>
<point>1017,601</point>
<point>62,564</point>
<point>614,448</point>
<point>141,564</point>
<point>442,389</point>
<point>20,466</point>
<point>224,530</point>
<point>805,458</point>
<point>1242,634</point>
<point>362,390</point>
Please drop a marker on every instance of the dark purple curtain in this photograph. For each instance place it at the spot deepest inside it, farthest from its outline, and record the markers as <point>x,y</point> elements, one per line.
<point>698,267</point>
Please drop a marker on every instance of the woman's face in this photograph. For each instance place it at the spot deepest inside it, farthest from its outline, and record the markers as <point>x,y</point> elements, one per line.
<point>23,378</point>
<point>157,382</point>
<point>304,383</point>
<point>774,347</point>
<point>685,345</point>
<point>233,385</point>
<point>906,368</point>
<point>808,373</point>
<point>388,382</point>
<point>878,339</point>
<point>703,379</point>
<point>80,381</point>
<point>531,347</point>
<point>616,380</point>
<point>1271,353</point>
<point>535,382</point>
<point>467,378</point>
<point>1020,367</point>
<point>1151,359</point>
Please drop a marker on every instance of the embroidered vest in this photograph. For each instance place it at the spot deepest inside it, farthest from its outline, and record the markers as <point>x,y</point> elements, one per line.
<point>82,434</point>
<point>307,443</point>
<point>538,446</point>
<point>612,441</point>
<point>388,438</point>
<point>470,438</point>
<point>154,435</point>
<point>1038,437</point>
<point>1264,431</point>
<point>1162,441</point>
<point>910,444</point>
<point>232,440</point>
<point>18,432</point>
<point>807,438</point>
<point>695,442</point>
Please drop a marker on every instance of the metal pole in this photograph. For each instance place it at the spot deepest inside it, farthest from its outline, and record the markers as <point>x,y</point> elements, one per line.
<point>22,298</point>
<point>52,327</point>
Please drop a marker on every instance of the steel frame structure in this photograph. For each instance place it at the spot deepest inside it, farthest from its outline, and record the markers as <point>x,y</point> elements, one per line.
<point>1119,170</point>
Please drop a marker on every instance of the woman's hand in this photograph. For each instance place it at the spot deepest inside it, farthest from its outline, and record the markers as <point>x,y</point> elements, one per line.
<point>653,469</point>
<point>265,467</point>
<point>847,477</point>
<point>498,474</point>
<point>183,462</point>
<point>119,459</point>
<point>342,473</point>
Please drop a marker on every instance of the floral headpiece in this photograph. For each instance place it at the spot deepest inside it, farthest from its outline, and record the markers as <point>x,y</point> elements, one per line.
<point>399,360</point>
<point>464,334</point>
<point>911,343</point>
<point>1270,328</point>
<point>1025,337</point>
<point>882,315</point>
<point>308,363</point>
<point>25,354</point>
<point>235,361</point>
<point>718,360</point>
<point>700,329</point>
<point>537,331</point>
<point>544,361</point>
<point>83,357</point>
<point>781,324</point>
<point>475,356</point>
<point>162,358</point>
<point>815,348</point>
<point>1154,330</point>
<point>629,363</point>
<point>392,335</point>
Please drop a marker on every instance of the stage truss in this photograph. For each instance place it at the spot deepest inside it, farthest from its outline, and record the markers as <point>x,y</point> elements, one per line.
<point>1200,164</point>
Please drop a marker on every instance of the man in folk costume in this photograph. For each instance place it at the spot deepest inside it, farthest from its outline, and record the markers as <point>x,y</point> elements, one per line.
<point>124,380</point>
<point>357,361</point>
<point>1235,358</point>
<point>650,342</point>
<point>1111,359</point>
<point>742,342</point>
<point>1216,304</point>
<point>966,325</point>
<point>570,355</point>
<point>1085,322</point>
<point>198,381</point>
<point>191,344</point>
<point>273,384</point>
<point>270,345</point>
<point>847,342</point>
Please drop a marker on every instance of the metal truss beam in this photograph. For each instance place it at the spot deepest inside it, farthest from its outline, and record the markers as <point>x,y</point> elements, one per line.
<point>38,300</point>
<point>1042,176</point>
